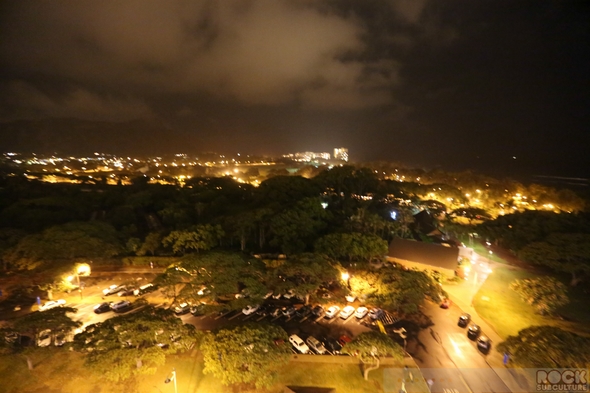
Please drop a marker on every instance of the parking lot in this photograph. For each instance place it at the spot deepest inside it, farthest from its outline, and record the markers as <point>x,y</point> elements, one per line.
<point>332,332</point>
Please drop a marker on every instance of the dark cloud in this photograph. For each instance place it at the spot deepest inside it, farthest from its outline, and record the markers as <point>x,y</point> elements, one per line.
<point>438,83</point>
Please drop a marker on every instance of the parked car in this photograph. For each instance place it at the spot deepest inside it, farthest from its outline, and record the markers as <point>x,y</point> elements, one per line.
<point>344,339</point>
<point>147,288</point>
<point>127,292</point>
<point>122,306</point>
<point>484,344</point>
<point>298,343</point>
<point>446,303</point>
<point>197,310</point>
<point>316,345</point>
<point>44,338</point>
<point>11,337</point>
<point>350,298</point>
<point>288,311</point>
<point>290,294</point>
<point>375,313</point>
<point>112,289</point>
<point>275,312</point>
<point>332,345</point>
<point>346,312</point>
<point>52,304</point>
<point>303,311</point>
<point>182,308</point>
<point>102,307</point>
<point>464,320</point>
<point>60,339</point>
<point>361,312</point>
<point>250,309</point>
<point>473,331</point>
<point>318,311</point>
<point>332,312</point>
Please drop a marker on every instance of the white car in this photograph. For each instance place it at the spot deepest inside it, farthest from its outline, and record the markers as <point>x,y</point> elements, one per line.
<point>298,343</point>
<point>316,345</point>
<point>346,312</point>
<point>250,309</point>
<point>332,312</point>
<point>112,289</point>
<point>44,338</point>
<point>361,312</point>
<point>52,304</point>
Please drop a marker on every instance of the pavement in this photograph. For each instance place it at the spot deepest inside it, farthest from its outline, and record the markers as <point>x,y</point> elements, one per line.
<point>462,296</point>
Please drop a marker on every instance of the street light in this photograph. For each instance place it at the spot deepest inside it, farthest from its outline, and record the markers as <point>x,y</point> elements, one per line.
<point>172,378</point>
<point>345,276</point>
<point>83,269</point>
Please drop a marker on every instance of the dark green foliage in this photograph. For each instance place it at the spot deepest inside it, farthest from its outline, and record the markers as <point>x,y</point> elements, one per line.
<point>547,347</point>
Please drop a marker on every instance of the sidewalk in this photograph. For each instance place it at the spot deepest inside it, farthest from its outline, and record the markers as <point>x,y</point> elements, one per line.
<point>514,378</point>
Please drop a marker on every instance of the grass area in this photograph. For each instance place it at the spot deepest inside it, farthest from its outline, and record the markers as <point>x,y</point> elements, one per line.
<point>60,371</point>
<point>507,313</point>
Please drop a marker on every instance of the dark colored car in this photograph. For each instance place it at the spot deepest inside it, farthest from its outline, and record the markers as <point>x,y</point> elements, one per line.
<point>102,307</point>
<point>464,320</point>
<point>198,310</point>
<point>332,345</point>
<point>473,331</point>
<point>127,292</point>
<point>445,304</point>
<point>484,344</point>
<point>122,306</point>
<point>318,311</point>
<point>303,311</point>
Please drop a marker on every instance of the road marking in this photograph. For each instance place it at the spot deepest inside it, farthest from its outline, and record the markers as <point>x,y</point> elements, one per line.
<point>346,320</point>
<point>261,318</point>
<point>235,316</point>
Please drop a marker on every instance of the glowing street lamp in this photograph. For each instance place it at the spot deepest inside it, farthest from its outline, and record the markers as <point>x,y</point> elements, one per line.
<point>82,269</point>
<point>345,276</point>
<point>172,378</point>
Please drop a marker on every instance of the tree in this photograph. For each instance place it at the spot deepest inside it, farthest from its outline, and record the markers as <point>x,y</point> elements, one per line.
<point>55,319</point>
<point>65,242</point>
<point>249,354</point>
<point>562,252</point>
<point>370,347</point>
<point>134,344</point>
<point>545,294</point>
<point>199,238</point>
<point>353,246</point>
<point>303,274</point>
<point>296,228</point>
<point>152,242</point>
<point>223,274</point>
<point>547,347</point>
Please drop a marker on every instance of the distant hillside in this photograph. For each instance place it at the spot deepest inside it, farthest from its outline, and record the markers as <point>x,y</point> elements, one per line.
<point>74,136</point>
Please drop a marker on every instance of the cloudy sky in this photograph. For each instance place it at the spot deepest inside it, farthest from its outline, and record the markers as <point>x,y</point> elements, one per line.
<point>455,84</point>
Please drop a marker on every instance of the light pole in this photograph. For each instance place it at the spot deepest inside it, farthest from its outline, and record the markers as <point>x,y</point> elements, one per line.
<point>172,378</point>
<point>84,270</point>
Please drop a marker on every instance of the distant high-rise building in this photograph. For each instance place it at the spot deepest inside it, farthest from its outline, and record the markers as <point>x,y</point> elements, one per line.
<point>307,156</point>
<point>341,153</point>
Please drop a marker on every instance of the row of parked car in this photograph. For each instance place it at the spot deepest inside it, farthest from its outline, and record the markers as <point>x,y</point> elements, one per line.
<point>123,290</point>
<point>484,344</point>
<point>317,311</point>
<point>323,346</point>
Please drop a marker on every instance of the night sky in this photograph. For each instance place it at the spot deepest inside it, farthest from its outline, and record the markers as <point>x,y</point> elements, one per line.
<point>449,84</point>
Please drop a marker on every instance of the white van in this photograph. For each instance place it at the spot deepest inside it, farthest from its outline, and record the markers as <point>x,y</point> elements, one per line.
<point>298,343</point>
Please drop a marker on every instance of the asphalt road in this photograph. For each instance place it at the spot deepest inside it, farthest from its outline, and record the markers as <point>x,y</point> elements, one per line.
<point>446,355</point>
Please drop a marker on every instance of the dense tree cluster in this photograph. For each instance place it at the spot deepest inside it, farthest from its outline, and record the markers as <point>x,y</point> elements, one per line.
<point>547,347</point>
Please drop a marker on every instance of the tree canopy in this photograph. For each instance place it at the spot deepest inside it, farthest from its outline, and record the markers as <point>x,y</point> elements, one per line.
<point>250,354</point>
<point>547,347</point>
<point>370,347</point>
